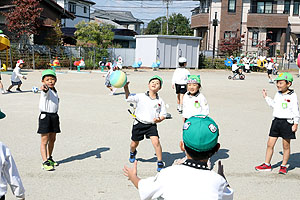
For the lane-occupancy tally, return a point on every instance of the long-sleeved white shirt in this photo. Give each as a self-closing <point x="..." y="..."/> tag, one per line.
<point x="16" y="75"/>
<point x="180" y="76"/>
<point x="285" y="106"/>
<point x="194" y="105"/>
<point x="9" y="174"/>
<point x="49" y="101"/>
<point x="147" y="108"/>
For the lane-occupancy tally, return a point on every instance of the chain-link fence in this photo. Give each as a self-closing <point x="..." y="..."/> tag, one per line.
<point x="40" y="56"/>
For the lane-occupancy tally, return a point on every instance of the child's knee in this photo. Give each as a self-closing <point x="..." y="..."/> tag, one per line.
<point x="155" y="142"/>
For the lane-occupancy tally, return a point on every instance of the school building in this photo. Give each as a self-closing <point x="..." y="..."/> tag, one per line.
<point x="274" y="21"/>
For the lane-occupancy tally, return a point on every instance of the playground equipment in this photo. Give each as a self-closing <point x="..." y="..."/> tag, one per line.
<point x="119" y="62"/>
<point x="79" y="64"/>
<point x="137" y="64"/>
<point x="55" y="64"/>
<point x="228" y="62"/>
<point x="4" y="45"/>
<point x="102" y="64"/>
<point x="155" y="65"/>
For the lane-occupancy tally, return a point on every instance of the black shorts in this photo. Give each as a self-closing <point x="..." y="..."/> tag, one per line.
<point x="140" y="130"/>
<point x="269" y="71"/>
<point x="282" y="128"/>
<point x="180" y="88"/>
<point x="2" y="198"/>
<point x="16" y="83"/>
<point x="48" y="123"/>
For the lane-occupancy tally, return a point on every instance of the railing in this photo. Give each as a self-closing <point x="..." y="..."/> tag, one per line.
<point x="200" y="10"/>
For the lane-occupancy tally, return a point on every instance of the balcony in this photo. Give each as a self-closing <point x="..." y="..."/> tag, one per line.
<point x="267" y="20"/>
<point x="200" y="20"/>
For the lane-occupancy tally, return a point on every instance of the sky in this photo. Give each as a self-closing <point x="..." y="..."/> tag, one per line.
<point x="147" y="10"/>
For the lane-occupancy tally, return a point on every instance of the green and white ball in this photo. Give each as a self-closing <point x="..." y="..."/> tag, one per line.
<point x="118" y="79"/>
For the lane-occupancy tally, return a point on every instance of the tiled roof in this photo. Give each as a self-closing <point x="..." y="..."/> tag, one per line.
<point x="121" y="17"/>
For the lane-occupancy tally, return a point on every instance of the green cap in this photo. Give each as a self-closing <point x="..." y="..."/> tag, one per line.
<point x="2" y="115"/>
<point x="1" y="31"/>
<point x="200" y="133"/>
<point x="48" y="72"/>
<point x="285" y="76"/>
<point x="194" y="79"/>
<point x="156" y="77"/>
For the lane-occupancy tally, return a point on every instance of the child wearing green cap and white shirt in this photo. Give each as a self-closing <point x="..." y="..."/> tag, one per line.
<point x="194" y="102"/>
<point x="192" y="179"/>
<point x="48" y="119"/>
<point x="285" y="123"/>
<point x="150" y="110"/>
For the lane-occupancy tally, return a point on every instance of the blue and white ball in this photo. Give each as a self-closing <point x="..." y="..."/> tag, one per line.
<point x="35" y="89"/>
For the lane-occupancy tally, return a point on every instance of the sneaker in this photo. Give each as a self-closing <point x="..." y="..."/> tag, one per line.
<point x="180" y="111"/>
<point x="3" y="91"/>
<point x="47" y="166"/>
<point x="52" y="162"/>
<point x="160" y="165"/>
<point x="132" y="156"/>
<point x="263" y="167"/>
<point x="9" y="91"/>
<point x="19" y="90"/>
<point x="283" y="170"/>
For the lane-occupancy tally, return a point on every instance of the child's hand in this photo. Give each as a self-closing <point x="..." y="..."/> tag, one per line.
<point x="264" y="92"/>
<point x="24" y="77"/>
<point x="130" y="172"/>
<point x="44" y="88"/>
<point x="157" y="120"/>
<point x="173" y="86"/>
<point x="126" y="85"/>
<point x="295" y="127"/>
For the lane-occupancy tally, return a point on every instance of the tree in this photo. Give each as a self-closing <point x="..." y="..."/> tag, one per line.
<point x="232" y="45"/>
<point x="55" y="35"/>
<point x="92" y="34"/>
<point x="24" y="19"/>
<point x="178" y="25"/>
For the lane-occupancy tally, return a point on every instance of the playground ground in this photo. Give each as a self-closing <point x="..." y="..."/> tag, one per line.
<point x="94" y="144"/>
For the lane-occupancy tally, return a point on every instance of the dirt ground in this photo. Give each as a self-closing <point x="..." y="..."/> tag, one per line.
<point x="96" y="128"/>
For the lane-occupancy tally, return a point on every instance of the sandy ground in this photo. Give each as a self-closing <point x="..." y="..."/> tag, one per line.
<point x="94" y="144"/>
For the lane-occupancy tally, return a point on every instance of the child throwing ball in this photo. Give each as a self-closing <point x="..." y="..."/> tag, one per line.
<point x="285" y="123"/>
<point x="48" y="119"/>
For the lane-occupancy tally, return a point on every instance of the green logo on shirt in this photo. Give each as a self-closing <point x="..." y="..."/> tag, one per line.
<point x="197" y="104"/>
<point x="284" y="105"/>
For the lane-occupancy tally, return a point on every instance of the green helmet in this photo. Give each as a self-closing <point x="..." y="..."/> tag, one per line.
<point x="194" y="79"/>
<point x="48" y="72"/>
<point x="158" y="78"/>
<point x="285" y="76"/>
<point x="200" y="133"/>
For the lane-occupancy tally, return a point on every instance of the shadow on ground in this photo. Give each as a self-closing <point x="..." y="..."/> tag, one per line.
<point x="294" y="161"/>
<point x="221" y="154"/>
<point x="96" y="153"/>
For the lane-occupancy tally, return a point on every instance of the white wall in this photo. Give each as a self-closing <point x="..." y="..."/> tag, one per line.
<point x="146" y="50"/>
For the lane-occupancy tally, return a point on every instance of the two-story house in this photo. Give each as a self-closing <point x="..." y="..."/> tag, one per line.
<point x="80" y="8"/>
<point x="258" y="20"/>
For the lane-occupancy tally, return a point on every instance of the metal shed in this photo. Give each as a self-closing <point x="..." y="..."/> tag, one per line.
<point x="167" y="49"/>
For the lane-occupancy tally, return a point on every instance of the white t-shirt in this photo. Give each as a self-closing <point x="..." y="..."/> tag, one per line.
<point x="16" y="75"/>
<point x="270" y="65"/>
<point x="180" y="182"/>
<point x="49" y="101"/>
<point x="194" y="105"/>
<point x="146" y="108"/>
<point x="180" y="76"/>
<point x="234" y="67"/>
<point x="285" y="106"/>
<point x="9" y="174"/>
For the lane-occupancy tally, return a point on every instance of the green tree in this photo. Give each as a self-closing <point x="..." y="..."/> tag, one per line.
<point x="178" y="25"/>
<point x="55" y="35"/>
<point x="92" y="34"/>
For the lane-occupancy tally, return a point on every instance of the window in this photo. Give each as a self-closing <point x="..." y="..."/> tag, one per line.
<point x="296" y="7"/>
<point x="229" y="34"/>
<point x="268" y="7"/>
<point x="264" y="7"/>
<point x="72" y="7"/>
<point x="254" y="38"/>
<point x="84" y="9"/>
<point x="231" y="5"/>
<point x="287" y="5"/>
<point x="260" y="7"/>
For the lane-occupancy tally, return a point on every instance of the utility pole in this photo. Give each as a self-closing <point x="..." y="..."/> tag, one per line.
<point x="167" y="2"/>
<point x="215" y="24"/>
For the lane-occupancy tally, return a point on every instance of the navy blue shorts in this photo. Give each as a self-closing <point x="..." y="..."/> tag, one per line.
<point x="16" y="83"/>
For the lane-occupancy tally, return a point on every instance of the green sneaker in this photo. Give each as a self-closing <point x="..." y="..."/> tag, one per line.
<point x="47" y="166"/>
<point x="52" y="162"/>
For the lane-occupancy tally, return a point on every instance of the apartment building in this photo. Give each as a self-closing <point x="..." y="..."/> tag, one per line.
<point x="257" y="20"/>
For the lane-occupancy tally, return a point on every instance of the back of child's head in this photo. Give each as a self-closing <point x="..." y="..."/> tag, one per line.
<point x="48" y="72"/>
<point x="200" y="137"/>
<point x="234" y="61"/>
<point x="182" y="61"/>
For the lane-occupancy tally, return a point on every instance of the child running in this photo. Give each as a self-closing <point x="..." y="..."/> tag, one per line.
<point x="285" y="123"/>
<point x="194" y="103"/>
<point x="48" y="119"/>
<point x="192" y="179"/>
<point x="179" y="81"/>
<point x="9" y="173"/>
<point x="270" y="70"/>
<point x="16" y="75"/>
<point x="150" y="110"/>
<point x="107" y="82"/>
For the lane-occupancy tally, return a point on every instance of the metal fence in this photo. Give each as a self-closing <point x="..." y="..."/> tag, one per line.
<point x="40" y="56"/>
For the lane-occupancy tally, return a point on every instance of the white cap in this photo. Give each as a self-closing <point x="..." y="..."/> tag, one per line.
<point x="182" y="60"/>
<point x="19" y="62"/>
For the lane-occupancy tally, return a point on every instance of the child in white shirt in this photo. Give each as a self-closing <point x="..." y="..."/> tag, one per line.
<point x="16" y="75"/>
<point x="179" y="81"/>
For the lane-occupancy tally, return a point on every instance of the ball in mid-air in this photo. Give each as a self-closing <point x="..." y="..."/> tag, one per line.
<point x="118" y="79"/>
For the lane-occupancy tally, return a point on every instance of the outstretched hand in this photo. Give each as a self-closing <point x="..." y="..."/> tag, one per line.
<point x="44" y="88"/>
<point x="131" y="173"/>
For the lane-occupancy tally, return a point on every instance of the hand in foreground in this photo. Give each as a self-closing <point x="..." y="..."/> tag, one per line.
<point x="158" y="120"/>
<point x="295" y="127"/>
<point x="44" y="88"/>
<point x="264" y="92"/>
<point x="131" y="173"/>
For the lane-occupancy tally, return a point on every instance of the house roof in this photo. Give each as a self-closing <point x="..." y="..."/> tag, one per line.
<point x="64" y="12"/>
<point x="87" y="1"/>
<point x="120" y="17"/>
